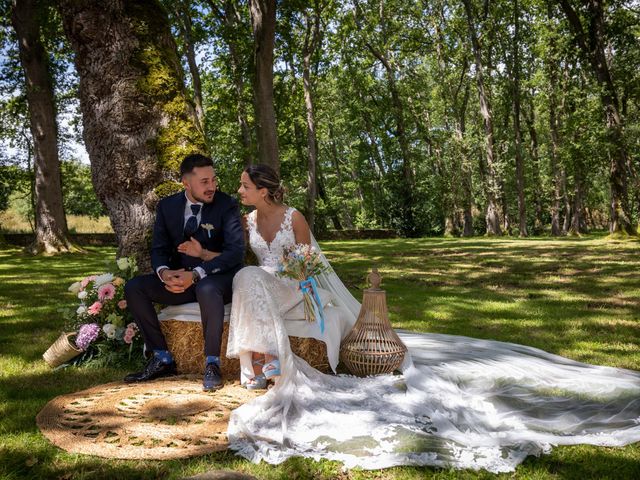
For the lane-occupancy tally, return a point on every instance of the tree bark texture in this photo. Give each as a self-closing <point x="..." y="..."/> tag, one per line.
<point x="537" y="180"/>
<point x="263" y="23"/>
<point x="311" y="40"/>
<point x="522" y="212"/>
<point x="552" y="74"/>
<point x="335" y="160"/>
<point x="51" y="234"/>
<point x="138" y="122"/>
<point x="490" y="181"/>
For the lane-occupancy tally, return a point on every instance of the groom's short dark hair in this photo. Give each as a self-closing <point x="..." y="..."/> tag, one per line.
<point x="192" y="161"/>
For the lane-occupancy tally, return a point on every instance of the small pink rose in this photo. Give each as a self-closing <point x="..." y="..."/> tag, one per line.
<point x="122" y="304"/>
<point x="129" y="335"/>
<point x="106" y="292"/>
<point x="132" y="326"/>
<point x="95" y="308"/>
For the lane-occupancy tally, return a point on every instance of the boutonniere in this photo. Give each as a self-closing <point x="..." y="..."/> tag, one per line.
<point x="208" y="227"/>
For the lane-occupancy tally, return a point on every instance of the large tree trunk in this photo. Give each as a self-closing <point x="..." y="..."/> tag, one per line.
<point x="311" y="40"/>
<point x="466" y="170"/>
<point x="578" y="222"/>
<point x="335" y="160"/>
<point x="490" y="182"/>
<point x="522" y="213"/>
<point x="552" y="73"/>
<point x="263" y="22"/>
<point x="231" y="27"/>
<point x="555" y="168"/>
<point x="591" y="43"/>
<point x="537" y="180"/>
<point x="51" y="234"/>
<point x="138" y="123"/>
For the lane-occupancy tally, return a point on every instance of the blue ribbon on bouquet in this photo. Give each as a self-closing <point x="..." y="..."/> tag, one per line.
<point x="310" y="287"/>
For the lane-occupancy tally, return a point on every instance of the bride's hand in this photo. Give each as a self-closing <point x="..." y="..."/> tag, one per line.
<point x="191" y="247"/>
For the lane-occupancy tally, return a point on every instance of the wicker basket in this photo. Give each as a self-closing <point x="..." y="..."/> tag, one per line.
<point x="372" y="347"/>
<point x="62" y="350"/>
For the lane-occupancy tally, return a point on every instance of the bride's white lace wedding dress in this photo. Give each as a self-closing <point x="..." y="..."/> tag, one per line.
<point x="460" y="402"/>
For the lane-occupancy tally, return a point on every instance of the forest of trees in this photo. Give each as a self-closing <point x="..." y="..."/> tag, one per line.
<point x="430" y="117"/>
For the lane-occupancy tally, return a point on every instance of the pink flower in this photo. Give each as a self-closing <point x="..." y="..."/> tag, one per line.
<point x="85" y="281"/>
<point x="95" y="308"/>
<point x="106" y="292"/>
<point x="130" y="333"/>
<point x="122" y="304"/>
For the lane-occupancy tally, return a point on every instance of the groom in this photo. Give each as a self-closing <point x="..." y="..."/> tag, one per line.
<point x="212" y="218"/>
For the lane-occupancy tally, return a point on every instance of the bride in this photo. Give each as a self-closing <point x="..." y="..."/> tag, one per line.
<point x="460" y="402"/>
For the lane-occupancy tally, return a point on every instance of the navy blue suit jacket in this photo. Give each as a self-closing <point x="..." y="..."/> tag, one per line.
<point x="226" y="235"/>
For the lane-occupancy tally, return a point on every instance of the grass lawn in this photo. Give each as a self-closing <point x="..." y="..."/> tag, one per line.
<point x="579" y="298"/>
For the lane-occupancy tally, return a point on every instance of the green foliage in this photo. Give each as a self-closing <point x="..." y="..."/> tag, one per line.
<point x="361" y="176"/>
<point x="10" y="179"/>
<point x="77" y="190"/>
<point x="168" y="188"/>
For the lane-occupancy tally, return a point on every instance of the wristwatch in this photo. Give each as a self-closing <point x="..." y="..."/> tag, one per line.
<point x="195" y="276"/>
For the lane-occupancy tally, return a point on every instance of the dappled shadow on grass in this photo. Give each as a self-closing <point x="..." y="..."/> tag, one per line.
<point x="569" y="296"/>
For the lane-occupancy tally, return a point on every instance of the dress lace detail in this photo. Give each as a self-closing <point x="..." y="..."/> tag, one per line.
<point x="269" y="253"/>
<point x="260" y="299"/>
<point x="460" y="402"/>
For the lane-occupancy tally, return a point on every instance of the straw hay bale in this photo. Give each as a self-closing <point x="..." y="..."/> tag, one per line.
<point x="186" y="343"/>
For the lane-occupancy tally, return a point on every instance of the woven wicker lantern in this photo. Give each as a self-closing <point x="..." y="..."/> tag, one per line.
<point x="372" y="347"/>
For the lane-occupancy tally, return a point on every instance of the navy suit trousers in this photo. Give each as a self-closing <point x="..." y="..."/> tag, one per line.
<point x="212" y="292"/>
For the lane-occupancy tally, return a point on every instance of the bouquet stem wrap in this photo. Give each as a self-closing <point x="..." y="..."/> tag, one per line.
<point x="312" y="304"/>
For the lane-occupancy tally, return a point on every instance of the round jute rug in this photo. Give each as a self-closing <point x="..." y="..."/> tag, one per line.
<point x="164" y="419"/>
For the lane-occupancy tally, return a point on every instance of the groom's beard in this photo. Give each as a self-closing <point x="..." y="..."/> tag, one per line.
<point x="206" y="199"/>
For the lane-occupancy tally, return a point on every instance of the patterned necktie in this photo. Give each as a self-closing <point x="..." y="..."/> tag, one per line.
<point x="192" y="222"/>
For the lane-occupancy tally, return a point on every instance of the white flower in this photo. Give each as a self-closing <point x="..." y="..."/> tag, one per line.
<point x="75" y="287"/>
<point x="81" y="309"/>
<point x="109" y="330"/>
<point x="102" y="279"/>
<point x="82" y="295"/>
<point x="123" y="263"/>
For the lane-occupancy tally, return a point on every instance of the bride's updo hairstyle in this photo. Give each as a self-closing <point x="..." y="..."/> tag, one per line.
<point x="263" y="176"/>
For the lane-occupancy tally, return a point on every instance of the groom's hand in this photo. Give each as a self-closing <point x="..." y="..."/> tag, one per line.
<point x="179" y="281"/>
<point x="191" y="247"/>
<point x="176" y="281"/>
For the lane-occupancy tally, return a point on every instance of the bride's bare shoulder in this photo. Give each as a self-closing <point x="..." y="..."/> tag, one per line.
<point x="297" y="217"/>
<point x="300" y="227"/>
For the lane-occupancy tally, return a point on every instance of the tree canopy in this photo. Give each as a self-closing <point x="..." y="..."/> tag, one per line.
<point x="426" y="117"/>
